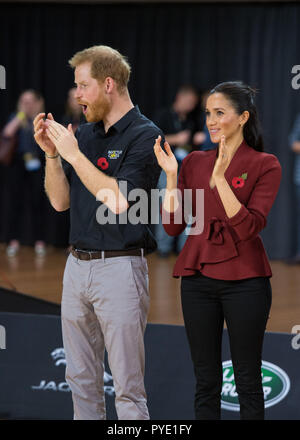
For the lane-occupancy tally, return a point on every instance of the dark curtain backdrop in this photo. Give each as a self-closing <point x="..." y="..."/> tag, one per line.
<point x="168" y="44"/>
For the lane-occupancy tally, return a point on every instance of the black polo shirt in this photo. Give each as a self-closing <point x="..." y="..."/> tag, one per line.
<point x="126" y="153"/>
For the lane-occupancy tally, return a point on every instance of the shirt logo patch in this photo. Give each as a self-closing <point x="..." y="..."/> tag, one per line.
<point x="114" y="154"/>
<point x="102" y="163"/>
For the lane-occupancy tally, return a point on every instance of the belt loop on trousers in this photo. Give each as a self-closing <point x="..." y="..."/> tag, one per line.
<point x="142" y="251"/>
<point x="103" y="256"/>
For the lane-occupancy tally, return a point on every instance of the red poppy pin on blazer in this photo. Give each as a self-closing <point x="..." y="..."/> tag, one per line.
<point x="239" y="182"/>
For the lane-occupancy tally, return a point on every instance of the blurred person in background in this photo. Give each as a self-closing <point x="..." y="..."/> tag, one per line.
<point x="24" y="176"/>
<point x="58" y="223"/>
<point x="201" y="139"/>
<point x="73" y="111"/>
<point x="183" y="128"/>
<point x="294" y="141"/>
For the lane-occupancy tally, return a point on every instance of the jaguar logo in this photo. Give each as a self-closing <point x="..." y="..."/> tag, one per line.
<point x="58" y="355"/>
<point x="59" y="358"/>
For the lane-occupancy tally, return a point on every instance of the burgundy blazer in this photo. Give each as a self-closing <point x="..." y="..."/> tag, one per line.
<point x="228" y="248"/>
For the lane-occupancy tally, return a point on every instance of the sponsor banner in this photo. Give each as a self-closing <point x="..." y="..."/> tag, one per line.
<point x="280" y="379"/>
<point x="275" y="381"/>
<point x="59" y="359"/>
<point x="33" y="363"/>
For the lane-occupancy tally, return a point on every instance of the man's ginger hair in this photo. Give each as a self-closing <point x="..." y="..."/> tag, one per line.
<point x="105" y="62"/>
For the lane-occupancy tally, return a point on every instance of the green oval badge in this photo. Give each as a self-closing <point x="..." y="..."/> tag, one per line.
<point x="275" y="381"/>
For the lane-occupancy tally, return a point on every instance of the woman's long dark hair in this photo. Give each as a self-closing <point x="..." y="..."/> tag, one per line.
<point x="242" y="98"/>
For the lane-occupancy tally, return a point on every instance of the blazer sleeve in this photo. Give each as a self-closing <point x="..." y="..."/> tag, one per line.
<point x="251" y="219"/>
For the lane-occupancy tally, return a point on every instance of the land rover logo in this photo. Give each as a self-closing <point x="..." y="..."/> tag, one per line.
<point x="276" y="385"/>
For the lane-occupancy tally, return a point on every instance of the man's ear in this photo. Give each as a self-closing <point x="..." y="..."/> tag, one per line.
<point x="109" y="84"/>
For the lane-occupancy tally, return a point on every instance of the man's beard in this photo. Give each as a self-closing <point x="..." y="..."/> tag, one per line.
<point x="98" y="110"/>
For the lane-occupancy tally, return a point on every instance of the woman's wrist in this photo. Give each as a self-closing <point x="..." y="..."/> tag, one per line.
<point x="219" y="179"/>
<point x="171" y="181"/>
<point x="171" y="175"/>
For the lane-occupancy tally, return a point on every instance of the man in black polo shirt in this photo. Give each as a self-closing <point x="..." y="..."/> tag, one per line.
<point x="105" y="287"/>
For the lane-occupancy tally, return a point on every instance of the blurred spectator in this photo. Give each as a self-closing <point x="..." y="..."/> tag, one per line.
<point x="201" y="140"/>
<point x="181" y="123"/>
<point x="59" y="222"/>
<point x="294" y="140"/>
<point x="24" y="175"/>
<point x="73" y="111"/>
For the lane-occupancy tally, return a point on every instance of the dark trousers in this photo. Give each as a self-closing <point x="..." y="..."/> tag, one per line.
<point x="245" y="306"/>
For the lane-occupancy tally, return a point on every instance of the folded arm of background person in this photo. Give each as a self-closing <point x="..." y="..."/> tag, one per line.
<point x="13" y="126"/>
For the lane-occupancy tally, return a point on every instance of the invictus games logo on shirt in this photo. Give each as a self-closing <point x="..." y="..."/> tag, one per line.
<point x="276" y="385"/>
<point x="114" y="154"/>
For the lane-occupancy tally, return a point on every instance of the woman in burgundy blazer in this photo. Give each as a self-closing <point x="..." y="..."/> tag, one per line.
<point x="224" y="267"/>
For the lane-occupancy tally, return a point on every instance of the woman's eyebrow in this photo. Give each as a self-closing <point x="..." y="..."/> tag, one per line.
<point x="216" y="108"/>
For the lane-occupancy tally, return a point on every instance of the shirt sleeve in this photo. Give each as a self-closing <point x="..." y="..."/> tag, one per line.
<point x="251" y="219"/>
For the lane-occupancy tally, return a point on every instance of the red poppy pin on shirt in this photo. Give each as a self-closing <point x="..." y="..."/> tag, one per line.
<point x="239" y="182"/>
<point x="102" y="163"/>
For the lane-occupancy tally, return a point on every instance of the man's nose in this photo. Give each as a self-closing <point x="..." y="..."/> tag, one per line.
<point x="77" y="94"/>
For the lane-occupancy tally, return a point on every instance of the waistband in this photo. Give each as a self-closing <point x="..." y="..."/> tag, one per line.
<point x="94" y="255"/>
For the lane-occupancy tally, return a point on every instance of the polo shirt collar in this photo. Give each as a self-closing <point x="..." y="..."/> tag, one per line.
<point x="121" y="124"/>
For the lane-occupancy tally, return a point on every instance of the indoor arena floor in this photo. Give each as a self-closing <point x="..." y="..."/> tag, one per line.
<point x="41" y="277"/>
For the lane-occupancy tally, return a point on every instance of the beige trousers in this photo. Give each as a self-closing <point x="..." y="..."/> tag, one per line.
<point x="105" y="304"/>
